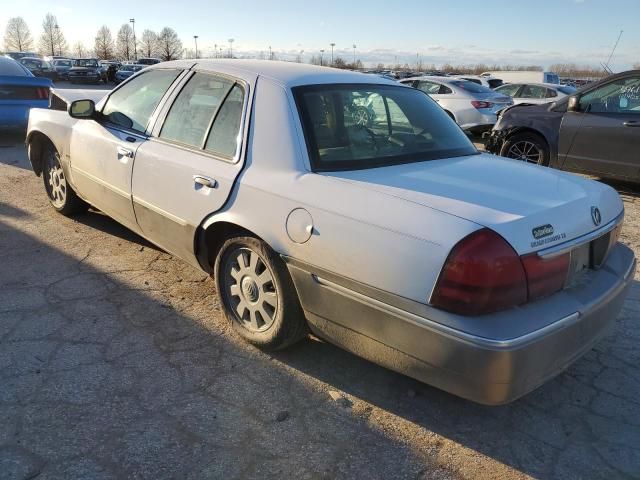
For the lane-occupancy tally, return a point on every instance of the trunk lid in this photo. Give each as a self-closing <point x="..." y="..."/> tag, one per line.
<point x="532" y="207"/>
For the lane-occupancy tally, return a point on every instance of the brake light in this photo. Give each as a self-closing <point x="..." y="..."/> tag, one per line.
<point x="479" y="104"/>
<point x="482" y="274"/>
<point x="42" y="93"/>
<point x="545" y="276"/>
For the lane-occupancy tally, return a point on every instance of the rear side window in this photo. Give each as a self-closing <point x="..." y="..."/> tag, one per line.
<point x="132" y="105"/>
<point x="533" y="91"/>
<point x="191" y="113"/>
<point x="429" y="87"/>
<point x="224" y="138"/>
<point x="470" y="86"/>
<point x="12" y="68"/>
<point x="551" y="93"/>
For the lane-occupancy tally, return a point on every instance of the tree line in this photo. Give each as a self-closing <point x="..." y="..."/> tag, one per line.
<point x="165" y="44"/>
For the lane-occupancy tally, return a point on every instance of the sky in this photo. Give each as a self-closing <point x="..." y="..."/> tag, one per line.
<point x="539" y="32"/>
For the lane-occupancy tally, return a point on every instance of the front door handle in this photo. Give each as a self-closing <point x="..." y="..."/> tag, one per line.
<point x="631" y="123"/>
<point x="125" y="152"/>
<point x="205" y="181"/>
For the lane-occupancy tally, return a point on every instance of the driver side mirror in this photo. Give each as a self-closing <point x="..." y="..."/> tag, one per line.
<point x="82" y="109"/>
<point x="574" y="103"/>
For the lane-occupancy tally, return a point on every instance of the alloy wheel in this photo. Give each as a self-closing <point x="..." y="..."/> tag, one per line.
<point x="250" y="289"/>
<point x="56" y="182"/>
<point x="526" y="151"/>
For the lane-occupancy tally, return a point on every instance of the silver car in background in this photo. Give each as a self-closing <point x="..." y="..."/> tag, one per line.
<point x="472" y="106"/>
<point x="535" y="93"/>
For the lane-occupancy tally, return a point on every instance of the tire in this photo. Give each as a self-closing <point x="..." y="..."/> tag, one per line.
<point x="257" y="294"/>
<point x="527" y="146"/>
<point x="61" y="196"/>
<point x="362" y="117"/>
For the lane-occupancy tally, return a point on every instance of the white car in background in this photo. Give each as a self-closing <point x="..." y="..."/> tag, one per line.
<point x="535" y="93"/>
<point x="472" y="106"/>
<point x="489" y="82"/>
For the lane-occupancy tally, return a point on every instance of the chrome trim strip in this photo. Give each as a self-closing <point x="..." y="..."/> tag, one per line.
<point x="567" y="246"/>
<point x="451" y="332"/>
<point x="159" y="211"/>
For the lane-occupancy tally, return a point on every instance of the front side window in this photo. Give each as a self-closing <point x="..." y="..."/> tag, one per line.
<point x="533" y="91"/>
<point x="509" y="90"/>
<point x="191" y="113"/>
<point x="132" y="105"/>
<point x="620" y="96"/>
<point x="403" y="126"/>
<point x="431" y="88"/>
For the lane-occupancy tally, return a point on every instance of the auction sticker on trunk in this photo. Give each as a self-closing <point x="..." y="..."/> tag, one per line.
<point x="544" y="234"/>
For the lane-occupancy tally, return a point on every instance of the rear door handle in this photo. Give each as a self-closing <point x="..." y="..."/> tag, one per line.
<point x="631" y="123"/>
<point x="205" y="181"/>
<point x="125" y="152"/>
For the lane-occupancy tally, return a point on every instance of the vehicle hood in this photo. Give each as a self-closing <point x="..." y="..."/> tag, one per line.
<point x="509" y="196"/>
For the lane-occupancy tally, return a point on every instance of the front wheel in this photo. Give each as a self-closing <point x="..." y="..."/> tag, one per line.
<point x="528" y="147"/>
<point x="258" y="295"/>
<point x="61" y="195"/>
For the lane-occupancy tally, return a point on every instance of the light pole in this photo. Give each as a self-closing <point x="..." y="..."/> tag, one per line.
<point x="332" y="45"/>
<point x="354" y="55"/>
<point x="215" y="50"/>
<point x="321" y="53"/>
<point x="57" y="40"/>
<point x="270" y="53"/>
<point x="195" y="39"/>
<point x="135" y="43"/>
<point x="231" y="48"/>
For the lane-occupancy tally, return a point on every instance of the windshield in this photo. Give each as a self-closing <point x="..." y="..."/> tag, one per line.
<point x="86" y="62"/>
<point x="62" y="63"/>
<point x="350" y="127"/>
<point x="470" y="86"/>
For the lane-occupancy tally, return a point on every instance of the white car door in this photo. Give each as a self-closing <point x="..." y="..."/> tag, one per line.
<point x="102" y="152"/>
<point x="535" y="94"/>
<point x="187" y="169"/>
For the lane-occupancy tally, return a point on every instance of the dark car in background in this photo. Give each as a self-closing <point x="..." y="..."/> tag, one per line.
<point x="594" y="131"/>
<point x="39" y="67"/>
<point x="87" y="70"/>
<point x="19" y="55"/>
<point x="19" y="92"/>
<point x="148" y="61"/>
<point x="125" y="71"/>
<point x="62" y="67"/>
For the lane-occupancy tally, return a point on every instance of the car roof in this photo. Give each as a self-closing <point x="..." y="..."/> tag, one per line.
<point x="436" y="78"/>
<point x="289" y="74"/>
<point x="8" y="66"/>
<point x="535" y="84"/>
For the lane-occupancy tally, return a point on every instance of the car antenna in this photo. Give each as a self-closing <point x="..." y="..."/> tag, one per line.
<point x="606" y="66"/>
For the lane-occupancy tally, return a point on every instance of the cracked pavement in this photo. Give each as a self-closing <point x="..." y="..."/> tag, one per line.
<point x="116" y="362"/>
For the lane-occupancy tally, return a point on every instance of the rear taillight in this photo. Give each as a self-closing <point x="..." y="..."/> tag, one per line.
<point x="482" y="274"/>
<point x="478" y="104"/>
<point x="545" y="276"/>
<point x="42" y="93"/>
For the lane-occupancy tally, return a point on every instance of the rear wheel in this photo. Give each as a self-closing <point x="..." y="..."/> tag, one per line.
<point x="61" y="195"/>
<point x="528" y="147"/>
<point x="258" y="295"/>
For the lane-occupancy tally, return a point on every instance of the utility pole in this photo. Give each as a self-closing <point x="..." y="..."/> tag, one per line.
<point x="58" y="40"/>
<point x="231" y="48"/>
<point x="270" y="53"/>
<point x="614" y="49"/>
<point x="321" y="53"/>
<point x="195" y="39"/>
<point x="332" y="45"/>
<point x="354" y="55"/>
<point x="215" y="50"/>
<point x="135" y="43"/>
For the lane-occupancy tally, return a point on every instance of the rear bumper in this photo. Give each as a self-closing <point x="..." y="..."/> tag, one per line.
<point x="487" y="369"/>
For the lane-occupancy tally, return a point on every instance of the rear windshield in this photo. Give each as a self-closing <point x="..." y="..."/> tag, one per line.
<point x="351" y="127"/>
<point x="470" y="86"/>
<point x="495" y="82"/>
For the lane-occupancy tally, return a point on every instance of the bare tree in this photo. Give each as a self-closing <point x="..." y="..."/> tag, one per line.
<point x="124" y="42"/>
<point x="104" y="46"/>
<point x="52" y="40"/>
<point x="17" y="35"/>
<point x="149" y="43"/>
<point x="79" y="50"/>
<point x="169" y="45"/>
